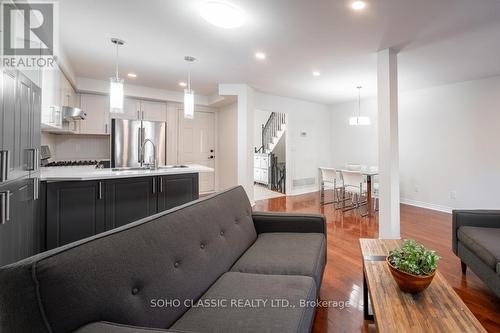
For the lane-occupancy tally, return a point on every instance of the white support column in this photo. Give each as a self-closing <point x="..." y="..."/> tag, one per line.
<point x="388" y="145"/>
<point x="245" y="125"/>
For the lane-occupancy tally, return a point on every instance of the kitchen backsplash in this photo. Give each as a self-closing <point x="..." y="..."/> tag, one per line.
<point x="77" y="147"/>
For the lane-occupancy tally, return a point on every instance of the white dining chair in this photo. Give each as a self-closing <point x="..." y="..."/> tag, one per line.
<point x="330" y="178"/>
<point x="355" y="187"/>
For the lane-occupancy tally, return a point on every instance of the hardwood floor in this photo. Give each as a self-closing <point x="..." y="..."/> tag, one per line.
<point x="342" y="280"/>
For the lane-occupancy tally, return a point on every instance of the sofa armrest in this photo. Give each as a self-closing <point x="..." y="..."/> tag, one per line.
<point x="473" y="218"/>
<point x="283" y="222"/>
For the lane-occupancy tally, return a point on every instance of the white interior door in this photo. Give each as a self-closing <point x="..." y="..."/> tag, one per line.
<point x="197" y="145"/>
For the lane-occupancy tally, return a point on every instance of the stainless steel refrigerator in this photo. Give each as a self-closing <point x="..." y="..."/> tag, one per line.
<point x="129" y="136"/>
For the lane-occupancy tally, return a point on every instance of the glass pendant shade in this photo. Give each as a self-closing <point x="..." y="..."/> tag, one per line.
<point x="188" y="104"/>
<point x="116" y="95"/>
<point x="359" y="121"/>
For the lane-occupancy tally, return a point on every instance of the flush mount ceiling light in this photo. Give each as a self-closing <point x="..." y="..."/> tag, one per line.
<point x="132" y="75"/>
<point x="222" y="14"/>
<point x="358" y="5"/>
<point x="116" y="84"/>
<point x="182" y="84"/>
<point x="358" y="120"/>
<point x="188" y="92"/>
<point x="316" y="73"/>
<point x="260" y="55"/>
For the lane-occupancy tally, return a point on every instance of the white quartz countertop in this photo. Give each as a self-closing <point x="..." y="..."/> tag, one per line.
<point x="80" y="173"/>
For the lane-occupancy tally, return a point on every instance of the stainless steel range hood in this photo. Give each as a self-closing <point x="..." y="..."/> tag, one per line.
<point x="70" y="113"/>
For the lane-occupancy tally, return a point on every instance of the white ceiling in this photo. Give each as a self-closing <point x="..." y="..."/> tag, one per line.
<point x="440" y="41"/>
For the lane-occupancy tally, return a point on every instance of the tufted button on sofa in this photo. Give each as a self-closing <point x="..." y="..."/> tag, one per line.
<point x="149" y="276"/>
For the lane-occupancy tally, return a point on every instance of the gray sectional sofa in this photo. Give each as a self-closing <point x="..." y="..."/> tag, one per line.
<point x="209" y="266"/>
<point x="476" y="240"/>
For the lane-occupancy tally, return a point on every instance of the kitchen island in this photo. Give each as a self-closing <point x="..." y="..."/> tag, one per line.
<point x="79" y="202"/>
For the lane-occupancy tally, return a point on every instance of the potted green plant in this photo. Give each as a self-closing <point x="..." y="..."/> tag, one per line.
<point x="412" y="266"/>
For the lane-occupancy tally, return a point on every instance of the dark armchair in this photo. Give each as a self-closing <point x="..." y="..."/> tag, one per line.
<point x="476" y="241"/>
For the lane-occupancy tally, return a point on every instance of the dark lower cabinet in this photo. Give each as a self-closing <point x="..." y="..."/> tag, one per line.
<point x="74" y="210"/>
<point x="78" y="209"/>
<point x="176" y="190"/>
<point x="129" y="199"/>
<point x="20" y="231"/>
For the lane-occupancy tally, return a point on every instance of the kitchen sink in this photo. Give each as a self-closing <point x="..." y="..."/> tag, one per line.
<point x="131" y="169"/>
<point x="163" y="167"/>
<point x="178" y="166"/>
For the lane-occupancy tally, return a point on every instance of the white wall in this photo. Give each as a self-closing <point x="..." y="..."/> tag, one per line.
<point x="449" y="142"/>
<point x="305" y="153"/>
<point x="226" y="153"/>
<point x="354" y="144"/>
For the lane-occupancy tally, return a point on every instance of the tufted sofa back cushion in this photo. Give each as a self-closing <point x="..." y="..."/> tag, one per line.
<point x="127" y="276"/>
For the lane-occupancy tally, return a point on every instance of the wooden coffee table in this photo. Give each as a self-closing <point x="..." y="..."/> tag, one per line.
<point x="437" y="309"/>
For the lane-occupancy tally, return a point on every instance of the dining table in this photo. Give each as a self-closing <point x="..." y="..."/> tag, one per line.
<point x="369" y="174"/>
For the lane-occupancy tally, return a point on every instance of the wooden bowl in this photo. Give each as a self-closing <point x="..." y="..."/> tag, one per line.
<point x="410" y="283"/>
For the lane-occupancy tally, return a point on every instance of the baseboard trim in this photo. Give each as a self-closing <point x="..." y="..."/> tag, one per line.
<point x="303" y="190"/>
<point x="420" y="204"/>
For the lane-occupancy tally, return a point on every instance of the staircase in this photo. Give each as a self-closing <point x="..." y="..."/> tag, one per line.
<point x="272" y="132"/>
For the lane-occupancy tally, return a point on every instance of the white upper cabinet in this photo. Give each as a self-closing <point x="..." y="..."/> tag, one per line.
<point x="136" y="109"/>
<point x="51" y="107"/>
<point x="97" y="109"/>
<point x="154" y="111"/>
<point x="131" y="109"/>
<point x="67" y="94"/>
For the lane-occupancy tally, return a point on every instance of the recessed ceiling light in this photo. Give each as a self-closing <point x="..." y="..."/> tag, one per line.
<point x="316" y="73"/>
<point x="358" y="5"/>
<point x="260" y="55"/>
<point x="182" y="84"/>
<point x="132" y="75"/>
<point x="222" y="14"/>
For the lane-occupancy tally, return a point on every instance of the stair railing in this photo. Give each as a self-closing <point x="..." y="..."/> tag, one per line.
<point x="270" y="129"/>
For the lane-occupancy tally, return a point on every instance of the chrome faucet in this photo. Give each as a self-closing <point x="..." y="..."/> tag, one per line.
<point x="155" y="161"/>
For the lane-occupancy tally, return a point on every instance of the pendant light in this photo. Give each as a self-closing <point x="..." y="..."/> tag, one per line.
<point x="116" y="84"/>
<point x="188" y="92"/>
<point x="358" y="120"/>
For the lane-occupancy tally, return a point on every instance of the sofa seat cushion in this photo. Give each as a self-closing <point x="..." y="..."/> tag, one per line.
<point x="285" y="254"/>
<point x="107" y="327"/>
<point x="484" y="242"/>
<point x="248" y="303"/>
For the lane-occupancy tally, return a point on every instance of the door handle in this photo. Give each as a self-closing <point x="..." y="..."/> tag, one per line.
<point x="36" y="188"/>
<point x="37" y="159"/>
<point x="139" y="147"/>
<point x="211" y="157"/>
<point x="161" y="184"/>
<point x="154" y="184"/>
<point x="34" y="159"/>
<point x="99" y="190"/>
<point x="4" y="165"/>
<point x="5" y="207"/>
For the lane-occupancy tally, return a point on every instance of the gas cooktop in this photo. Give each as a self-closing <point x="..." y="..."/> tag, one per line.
<point x="72" y="163"/>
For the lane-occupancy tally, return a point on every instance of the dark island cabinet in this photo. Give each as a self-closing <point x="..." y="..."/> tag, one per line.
<point x="19" y="228"/>
<point x="129" y="200"/>
<point x="174" y="191"/>
<point x="74" y="210"/>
